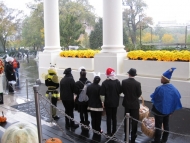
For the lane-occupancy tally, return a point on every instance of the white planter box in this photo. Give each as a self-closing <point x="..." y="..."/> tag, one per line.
<point x="157" y="68"/>
<point x="75" y="63"/>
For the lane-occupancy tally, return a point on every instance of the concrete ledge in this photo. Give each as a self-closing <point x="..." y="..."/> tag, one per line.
<point x="75" y="63"/>
<point x="157" y="68"/>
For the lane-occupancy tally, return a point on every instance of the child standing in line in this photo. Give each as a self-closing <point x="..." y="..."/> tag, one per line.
<point x="51" y="81"/>
<point x="82" y="103"/>
<point x="94" y="104"/>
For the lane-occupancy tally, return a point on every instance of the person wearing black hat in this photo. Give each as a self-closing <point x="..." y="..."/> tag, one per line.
<point x="165" y="99"/>
<point x="132" y="91"/>
<point x="67" y="86"/>
<point x="81" y="100"/>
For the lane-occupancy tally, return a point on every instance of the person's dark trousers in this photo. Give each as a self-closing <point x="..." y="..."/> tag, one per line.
<point x="134" y="113"/>
<point x="54" y="102"/>
<point x="96" y="117"/>
<point x="159" y="120"/>
<point x="10" y="87"/>
<point x="111" y="119"/>
<point x="84" y="114"/>
<point x="17" y="76"/>
<point x="69" y="109"/>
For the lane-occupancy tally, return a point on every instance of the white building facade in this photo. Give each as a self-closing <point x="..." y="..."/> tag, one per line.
<point x="112" y="53"/>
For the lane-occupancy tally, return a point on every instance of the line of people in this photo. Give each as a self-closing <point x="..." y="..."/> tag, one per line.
<point x="85" y="96"/>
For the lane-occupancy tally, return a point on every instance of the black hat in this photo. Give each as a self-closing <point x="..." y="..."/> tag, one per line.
<point x="132" y="72"/>
<point x="67" y="71"/>
<point x="96" y="79"/>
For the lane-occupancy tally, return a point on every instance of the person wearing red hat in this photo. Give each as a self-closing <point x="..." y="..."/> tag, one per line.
<point x="132" y="91"/>
<point x="110" y="94"/>
<point x="165" y="99"/>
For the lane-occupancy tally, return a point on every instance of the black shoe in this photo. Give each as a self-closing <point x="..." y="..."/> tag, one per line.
<point x="12" y="92"/>
<point x="67" y="127"/>
<point x="56" y="117"/>
<point x="129" y="140"/>
<point x="107" y="134"/>
<point x="74" y="126"/>
<point x="162" y="141"/>
<point x="155" y="142"/>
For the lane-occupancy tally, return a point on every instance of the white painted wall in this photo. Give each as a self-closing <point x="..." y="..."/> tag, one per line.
<point x="156" y="68"/>
<point x="148" y="84"/>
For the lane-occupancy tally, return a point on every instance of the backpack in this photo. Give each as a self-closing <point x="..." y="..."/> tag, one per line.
<point x="82" y="95"/>
<point x="16" y="64"/>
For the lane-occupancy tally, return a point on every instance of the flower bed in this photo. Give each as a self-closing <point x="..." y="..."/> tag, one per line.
<point x="79" y="53"/>
<point x="76" y="58"/>
<point x="158" y="55"/>
<point x="154" y="63"/>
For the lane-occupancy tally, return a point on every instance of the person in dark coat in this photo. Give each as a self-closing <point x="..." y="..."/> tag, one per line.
<point x="10" y="74"/>
<point x="52" y="83"/>
<point x="166" y="100"/>
<point x="95" y="104"/>
<point x="82" y="105"/>
<point x="132" y="91"/>
<point x="110" y="94"/>
<point x="67" y="86"/>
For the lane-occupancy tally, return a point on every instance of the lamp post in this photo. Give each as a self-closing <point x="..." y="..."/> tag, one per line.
<point x="185" y="36"/>
<point x="151" y="34"/>
<point x="140" y="16"/>
<point x="140" y="36"/>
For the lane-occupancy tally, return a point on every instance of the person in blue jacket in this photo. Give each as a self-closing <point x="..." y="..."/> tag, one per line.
<point x="165" y="99"/>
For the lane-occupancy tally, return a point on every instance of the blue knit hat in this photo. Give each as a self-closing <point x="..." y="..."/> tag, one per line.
<point x="167" y="75"/>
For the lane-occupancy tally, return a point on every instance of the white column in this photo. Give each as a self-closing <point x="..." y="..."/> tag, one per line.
<point x="112" y="53"/>
<point x="112" y="27"/>
<point x="51" y="26"/>
<point x="52" y="37"/>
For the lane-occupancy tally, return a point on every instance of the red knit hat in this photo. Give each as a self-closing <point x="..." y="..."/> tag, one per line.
<point x="110" y="72"/>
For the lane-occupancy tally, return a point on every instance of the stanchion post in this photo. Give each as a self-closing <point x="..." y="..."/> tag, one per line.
<point x="38" y="117"/>
<point x="27" y="88"/>
<point x="50" y="96"/>
<point x="127" y="127"/>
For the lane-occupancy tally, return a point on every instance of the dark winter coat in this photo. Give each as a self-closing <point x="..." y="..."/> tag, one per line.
<point x="93" y="93"/>
<point x="78" y="88"/>
<point x="9" y="72"/>
<point x="132" y="91"/>
<point x="67" y="86"/>
<point x="111" y="89"/>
